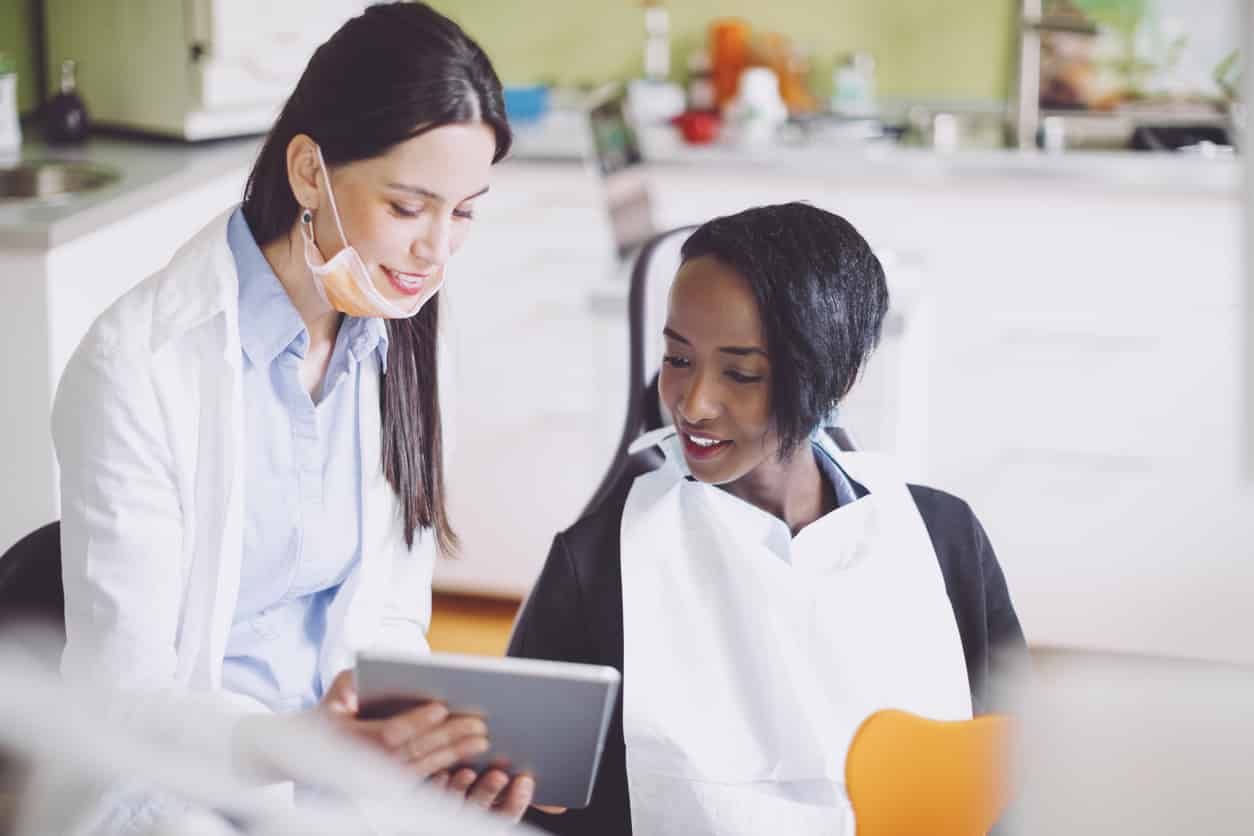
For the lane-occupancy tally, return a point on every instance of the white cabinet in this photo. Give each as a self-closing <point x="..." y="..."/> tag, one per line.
<point x="1086" y="402"/>
<point x="539" y="377"/>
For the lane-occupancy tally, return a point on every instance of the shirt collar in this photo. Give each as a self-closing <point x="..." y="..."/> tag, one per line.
<point x="845" y="488"/>
<point x="365" y="335"/>
<point x="668" y="440"/>
<point x="268" y="321"/>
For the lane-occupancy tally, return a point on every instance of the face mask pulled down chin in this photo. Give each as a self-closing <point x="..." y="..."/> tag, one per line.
<point x="344" y="282"/>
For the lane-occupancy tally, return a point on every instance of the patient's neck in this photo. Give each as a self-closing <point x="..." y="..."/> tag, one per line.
<point x="793" y="490"/>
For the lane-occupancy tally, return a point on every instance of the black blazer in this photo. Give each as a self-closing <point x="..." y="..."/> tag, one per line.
<point x="575" y="613"/>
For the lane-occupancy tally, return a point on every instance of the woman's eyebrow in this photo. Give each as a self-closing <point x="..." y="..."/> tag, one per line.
<point x="668" y="332"/>
<point x="427" y="193"/>
<point x="742" y="350"/>
<point x="738" y="350"/>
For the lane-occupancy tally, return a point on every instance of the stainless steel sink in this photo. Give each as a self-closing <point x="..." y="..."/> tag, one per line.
<point x="50" y="178"/>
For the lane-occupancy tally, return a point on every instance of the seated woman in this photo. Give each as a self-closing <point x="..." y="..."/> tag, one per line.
<point x="762" y="591"/>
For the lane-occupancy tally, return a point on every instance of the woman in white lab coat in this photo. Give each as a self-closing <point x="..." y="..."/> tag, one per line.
<point x="762" y="591"/>
<point x="250" y="441"/>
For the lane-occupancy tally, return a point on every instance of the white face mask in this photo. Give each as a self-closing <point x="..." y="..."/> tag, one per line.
<point x="344" y="282"/>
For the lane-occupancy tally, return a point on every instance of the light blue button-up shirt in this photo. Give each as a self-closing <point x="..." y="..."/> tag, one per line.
<point x="302" y="487"/>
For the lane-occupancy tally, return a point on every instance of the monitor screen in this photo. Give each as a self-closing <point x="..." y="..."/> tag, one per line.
<point x="618" y="157"/>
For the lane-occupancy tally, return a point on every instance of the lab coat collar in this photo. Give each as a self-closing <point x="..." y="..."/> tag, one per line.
<point x="199" y="283"/>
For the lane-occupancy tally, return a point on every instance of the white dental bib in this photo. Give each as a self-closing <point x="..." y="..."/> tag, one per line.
<point x="750" y="657"/>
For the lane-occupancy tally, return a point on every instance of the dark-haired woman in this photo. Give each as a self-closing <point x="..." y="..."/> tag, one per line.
<point x="250" y="441"/>
<point x="762" y="591"/>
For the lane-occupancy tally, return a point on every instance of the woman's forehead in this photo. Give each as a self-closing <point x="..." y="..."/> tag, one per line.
<point x="453" y="161"/>
<point x="712" y="302"/>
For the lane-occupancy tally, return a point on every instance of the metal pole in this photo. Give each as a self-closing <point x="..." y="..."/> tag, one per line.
<point x="1028" y="100"/>
<point x="1246" y="128"/>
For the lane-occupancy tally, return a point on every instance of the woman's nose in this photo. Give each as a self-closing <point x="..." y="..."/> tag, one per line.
<point x="698" y="403"/>
<point x="433" y="244"/>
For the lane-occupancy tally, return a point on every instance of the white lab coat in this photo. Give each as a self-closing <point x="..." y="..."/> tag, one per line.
<point x="148" y="431"/>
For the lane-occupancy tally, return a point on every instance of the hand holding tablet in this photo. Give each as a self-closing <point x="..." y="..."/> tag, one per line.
<point x="546" y="719"/>
<point x="429" y="743"/>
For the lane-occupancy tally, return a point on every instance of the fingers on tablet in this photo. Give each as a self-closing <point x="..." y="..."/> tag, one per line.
<point x="450" y="734"/>
<point x="398" y="730"/>
<point x="489" y="788"/>
<point x="461" y="781"/>
<point x="517" y="796"/>
<point x="445" y="757"/>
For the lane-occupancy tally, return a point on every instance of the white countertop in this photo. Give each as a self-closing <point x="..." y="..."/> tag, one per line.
<point x="151" y="170"/>
<point x="563" y="136"/>
<point x="1086" y="169"/>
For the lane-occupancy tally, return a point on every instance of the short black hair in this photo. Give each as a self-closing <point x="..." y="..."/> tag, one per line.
<point x="822" y="297"/>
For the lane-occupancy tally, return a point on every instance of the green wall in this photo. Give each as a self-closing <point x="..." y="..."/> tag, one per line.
<point x="960" y="49"/>
<point x="17" y="40"/>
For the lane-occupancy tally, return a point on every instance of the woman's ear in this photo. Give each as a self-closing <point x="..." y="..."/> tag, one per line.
<point x="303" y="171"/>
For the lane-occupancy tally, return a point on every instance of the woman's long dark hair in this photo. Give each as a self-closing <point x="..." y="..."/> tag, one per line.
<point x="390" y="74"/>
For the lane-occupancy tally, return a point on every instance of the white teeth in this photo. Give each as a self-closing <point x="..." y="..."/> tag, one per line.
<point x="703" y="442"/>
<point x="406" y="279"/>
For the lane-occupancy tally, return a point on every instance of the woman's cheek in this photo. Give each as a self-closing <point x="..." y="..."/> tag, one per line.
<point x="460" y="231"/>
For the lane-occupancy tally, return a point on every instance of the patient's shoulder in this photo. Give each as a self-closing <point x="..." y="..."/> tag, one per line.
<point x="941" y="507"/>
<point x="594" y="537"/>
<point x="956" y="533"/>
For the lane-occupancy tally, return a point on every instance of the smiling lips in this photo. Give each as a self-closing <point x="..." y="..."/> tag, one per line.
<point x="701" y="447"/>
<point x="409" y="284"/>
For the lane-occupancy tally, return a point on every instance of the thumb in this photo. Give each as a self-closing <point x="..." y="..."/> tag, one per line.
<point x="341" y="697"/>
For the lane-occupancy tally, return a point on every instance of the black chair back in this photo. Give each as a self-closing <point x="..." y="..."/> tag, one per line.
<point x="30" y="579"/>
<point x="651" y="275"/>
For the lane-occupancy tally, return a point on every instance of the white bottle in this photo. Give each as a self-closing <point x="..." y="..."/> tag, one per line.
<point x="853" y="86"/>
<point x="757" y="112"/>
<point x="657" y="41"/>
<point x="10" y="129"/>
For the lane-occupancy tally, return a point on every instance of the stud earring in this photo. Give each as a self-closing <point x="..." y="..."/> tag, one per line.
<point x="306" y="217"/>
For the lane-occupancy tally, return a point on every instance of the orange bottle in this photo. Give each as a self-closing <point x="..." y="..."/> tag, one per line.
<point x="789" y="63"/>
<point x="729" y="54"/>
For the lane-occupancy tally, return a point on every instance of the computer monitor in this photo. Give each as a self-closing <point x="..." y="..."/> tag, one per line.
<point x="620" y="166"/>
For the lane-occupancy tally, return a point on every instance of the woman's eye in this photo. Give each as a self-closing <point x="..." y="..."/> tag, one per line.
<point x="740" y="377"/>
<point x="675" y="361"/>
<point x="404" y="211"/>
<point x="465" y="214"/>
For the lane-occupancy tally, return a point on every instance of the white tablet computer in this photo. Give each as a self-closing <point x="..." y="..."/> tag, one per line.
<point x="546" y="718"/>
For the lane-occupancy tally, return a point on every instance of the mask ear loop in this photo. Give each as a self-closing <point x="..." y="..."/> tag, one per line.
<point x="306" y="231"/>
<point x="335" y="212"/>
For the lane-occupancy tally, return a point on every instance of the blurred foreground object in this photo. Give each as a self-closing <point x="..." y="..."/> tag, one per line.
<point x="1126" y="744"/>
<point x="73" y="755"/>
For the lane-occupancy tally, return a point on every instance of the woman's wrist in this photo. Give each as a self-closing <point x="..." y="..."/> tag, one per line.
<point x="249" y="761"/>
